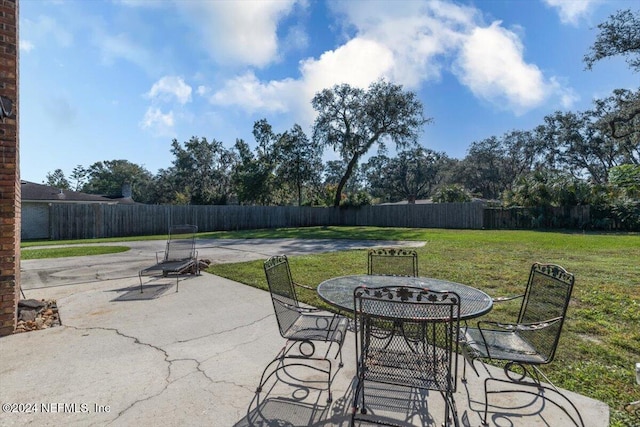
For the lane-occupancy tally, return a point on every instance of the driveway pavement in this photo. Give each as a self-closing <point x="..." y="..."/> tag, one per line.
<point x="64" y="271"/>
<point x="194" y="357"/>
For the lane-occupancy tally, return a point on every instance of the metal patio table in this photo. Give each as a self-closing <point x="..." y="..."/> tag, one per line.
<point x="338" y="291"/>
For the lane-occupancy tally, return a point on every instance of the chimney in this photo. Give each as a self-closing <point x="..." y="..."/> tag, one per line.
<point x="126" y="190"/>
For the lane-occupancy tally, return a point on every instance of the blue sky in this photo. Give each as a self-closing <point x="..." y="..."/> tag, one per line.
<point x="120" y="79"/>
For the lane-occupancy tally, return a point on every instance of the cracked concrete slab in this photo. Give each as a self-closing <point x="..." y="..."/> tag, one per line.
<point x="176" y="357"/>
<point x="195" y="357"/>
<point x="80" y="368"/>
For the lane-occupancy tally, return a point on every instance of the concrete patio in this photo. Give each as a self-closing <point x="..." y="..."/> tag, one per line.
<point x="195" y="357"/>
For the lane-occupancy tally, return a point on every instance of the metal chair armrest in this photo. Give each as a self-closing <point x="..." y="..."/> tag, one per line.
<point x="509" y="298"/>
<point x="309" y="309"/>
<point x="303" y="286"/>
<point x="533" y="326"/>
<point x="299" y="309"/>
<point x="309" y="288"/>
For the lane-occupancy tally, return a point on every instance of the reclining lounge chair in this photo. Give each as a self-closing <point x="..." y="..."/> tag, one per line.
<point x="180" y="255"/>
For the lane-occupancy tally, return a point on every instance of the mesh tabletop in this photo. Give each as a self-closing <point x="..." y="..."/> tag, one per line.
<point x="339" y="291"/>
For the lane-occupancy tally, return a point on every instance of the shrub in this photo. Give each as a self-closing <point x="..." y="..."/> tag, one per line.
<point x="355" y="200"/>
<point x="451" y="194"/>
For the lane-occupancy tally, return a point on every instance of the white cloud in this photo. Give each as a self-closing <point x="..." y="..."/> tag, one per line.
<point x="395" y="52"/>
<point x="46" y="28"/>
<point x="239" y="32"/>
<point x="159" y="123"/>
<point x="170" y="87"/>
<point x="410" y="43"/>
<point x="358" y="63"/>
<point x="571" y="11"/>
<point x="247" y="92"/>
<point x="491" y="64"/>
<point x="425" y="38"/>
<point x="419" y="34"/>
<point x="566" y="95"/>
<point x="113" y="47"/>
<point x="296" y="39"/>
<point x="26" y="46"/>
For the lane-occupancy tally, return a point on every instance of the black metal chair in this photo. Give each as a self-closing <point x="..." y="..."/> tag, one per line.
<point x="301" y="326"/>
<point x="406" y="337"/>
<point x="529" y="342"/>
<point x="179" y="257"/>
<point x="393" y="262"/>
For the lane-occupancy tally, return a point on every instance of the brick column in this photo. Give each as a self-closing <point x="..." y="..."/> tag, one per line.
<point x="9" y="171"/>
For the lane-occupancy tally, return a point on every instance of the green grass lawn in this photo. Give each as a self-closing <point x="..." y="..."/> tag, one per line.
<point x="601" y="337"/>
<point x="67" y="251"/>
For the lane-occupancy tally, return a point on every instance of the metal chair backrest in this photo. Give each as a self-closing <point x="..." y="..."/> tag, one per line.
<point x="181" y="243"/>
<point x="407" y="336"/>
<point x="546" y="298"/>
<point x="283" y="293"/>
<point x="393" y="262"/>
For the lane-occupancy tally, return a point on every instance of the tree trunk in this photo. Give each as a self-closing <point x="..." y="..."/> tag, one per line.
<point x="343" y="181"/>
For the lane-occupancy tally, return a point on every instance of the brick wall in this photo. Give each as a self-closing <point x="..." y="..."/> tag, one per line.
<point x="9" y="171"/>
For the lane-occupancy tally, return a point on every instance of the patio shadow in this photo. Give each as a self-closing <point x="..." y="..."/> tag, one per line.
<point x="150" y="292"/>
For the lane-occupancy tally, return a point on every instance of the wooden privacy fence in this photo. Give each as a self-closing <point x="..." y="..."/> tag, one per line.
<point x="87" y="221"/>
<point x="84" y="221"/>
<point x="527" y="218"/>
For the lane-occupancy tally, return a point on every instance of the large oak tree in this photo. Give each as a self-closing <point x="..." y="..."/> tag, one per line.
<point x="412" y="175"/>
<point x="351" y="120"/>
<point x="619" y="35"/>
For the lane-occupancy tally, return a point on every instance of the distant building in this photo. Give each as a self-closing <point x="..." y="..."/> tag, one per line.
<point x="37" y="199"/>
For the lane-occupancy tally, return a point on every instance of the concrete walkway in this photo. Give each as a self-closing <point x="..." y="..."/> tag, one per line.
<point x="194" y="358"/>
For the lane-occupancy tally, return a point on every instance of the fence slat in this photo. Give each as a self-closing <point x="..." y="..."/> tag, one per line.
<point x="86" y="221"/>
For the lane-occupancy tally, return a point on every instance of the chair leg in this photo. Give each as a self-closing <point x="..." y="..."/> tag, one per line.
<point x="341" y="364"/>
<point x="280" y="359"/>
<point x="486" y="402"/>
<point x="464" y="370"/>
<point x="471" y="361"/>
<point x="330" y="397"/>
<point x="358" y="398"/>
<point x="339" y="344"/>
<point x="579" y="422"/>
<point x="450" y="411"/>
